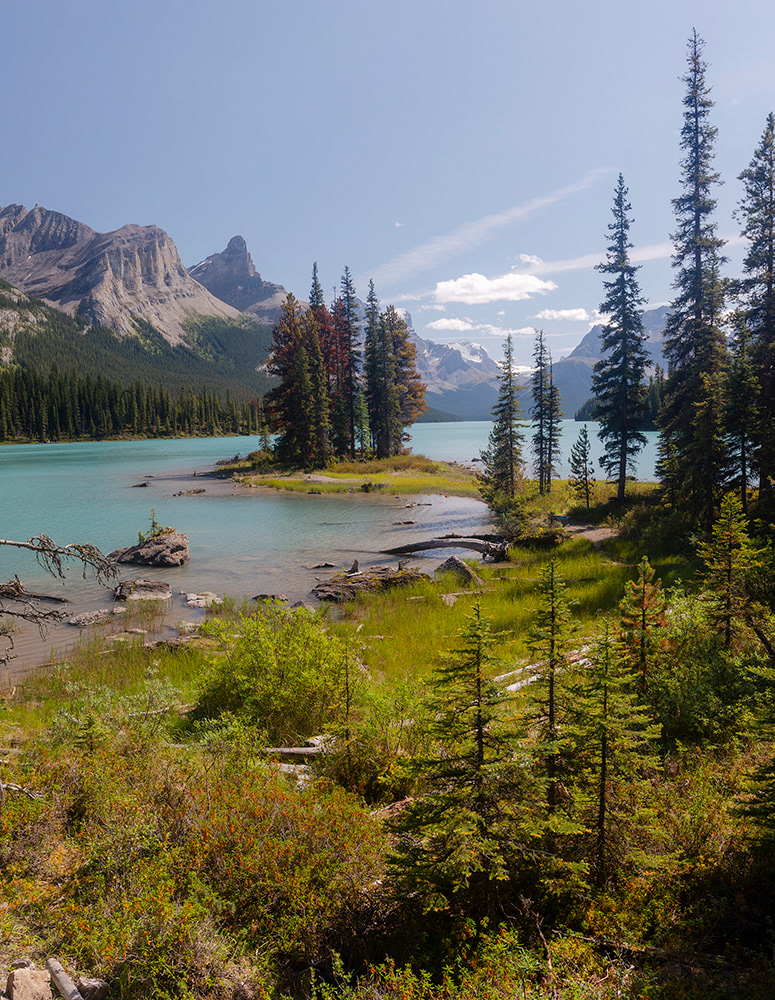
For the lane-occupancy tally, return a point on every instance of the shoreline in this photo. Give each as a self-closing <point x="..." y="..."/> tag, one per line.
<point x="337" y="533"/>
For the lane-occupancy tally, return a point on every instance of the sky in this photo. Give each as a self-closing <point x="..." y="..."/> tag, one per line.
<point x="461" y="155"/>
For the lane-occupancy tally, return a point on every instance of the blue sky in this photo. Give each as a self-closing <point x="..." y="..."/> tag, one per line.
<point x="463" y="155"/>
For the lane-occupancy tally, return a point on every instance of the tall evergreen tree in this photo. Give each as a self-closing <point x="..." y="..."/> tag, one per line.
<point x="299" y="404"/>
<point x="742" y="413"/>
<point x="394" y="391"/>
<point x="617" y="379"/>
<point x="694" y="345"/>
<point x="503" y="457"/>
<point x="410" y="391"/>
<point x="553" y="425"/>
<point x="316" y="297"/>
<point x="351" y="352"/>
<point x="373" y="366"/>
<point x="756" y="290"/>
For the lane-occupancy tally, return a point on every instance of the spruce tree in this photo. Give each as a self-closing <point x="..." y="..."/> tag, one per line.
<point x="742" y="413"/>
<point x="503" y="457"/>
<point x="553" y="424"/>
<point x="350" y="327"/>
<point x="641" y="618"/>
<point x="694" y="345"/>
<point x="549" y="640"/>
<point x="394" y="392"/>
<point x="729" y="559"/>
<point x="409" y="385"/>
<point x="455" y="842"/>
<point x="756" y="290"/>
<point x="298" y="405"/>
<point x="582" y="477"/>
<point x="609" y="737"/>
<point x="539" y="390"/>
<point x="617" y="379"/>
<point x="373" y="368"/>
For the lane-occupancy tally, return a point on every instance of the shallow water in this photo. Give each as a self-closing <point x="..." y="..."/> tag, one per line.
<point x="243" y="541"/>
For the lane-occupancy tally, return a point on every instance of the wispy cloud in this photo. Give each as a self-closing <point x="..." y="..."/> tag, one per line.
<point x="441" y="248"/>
<point x="656" y="251"/>
<point x="400" y="225"/>
<point x="476" y="289"/>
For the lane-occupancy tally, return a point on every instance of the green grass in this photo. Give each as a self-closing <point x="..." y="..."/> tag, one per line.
<point x="401" y="474"/>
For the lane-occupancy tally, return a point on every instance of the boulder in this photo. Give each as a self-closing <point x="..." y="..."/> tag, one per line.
<point x="91" y="988"/>
<point x="142" y="590"/>
<point x="169" y="548"/>
<point x="28" y="984"/>
<point x="461" y="570"/>
<point x="91" y="618"/>
<point x="204" y="600"/>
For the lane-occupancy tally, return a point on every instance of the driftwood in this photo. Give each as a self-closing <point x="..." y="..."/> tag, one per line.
<point x="62" y="981"/>
<point x="495" y="551"/>
<point x="15" y="590"/>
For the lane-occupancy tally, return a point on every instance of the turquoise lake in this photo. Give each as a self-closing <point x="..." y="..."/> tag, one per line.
<point x="243" y="542"/>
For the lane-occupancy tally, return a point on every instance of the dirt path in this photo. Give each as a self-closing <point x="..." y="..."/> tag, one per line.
<point x="595" y="533"/>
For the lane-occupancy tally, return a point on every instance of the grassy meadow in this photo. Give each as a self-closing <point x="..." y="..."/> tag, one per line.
<point x="146" y="836"/>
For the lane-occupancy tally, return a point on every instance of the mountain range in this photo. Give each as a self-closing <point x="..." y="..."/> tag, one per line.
<point x="136" y="311"/>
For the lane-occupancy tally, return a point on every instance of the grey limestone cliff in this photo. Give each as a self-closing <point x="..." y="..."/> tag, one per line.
<point x="110" y="278"/>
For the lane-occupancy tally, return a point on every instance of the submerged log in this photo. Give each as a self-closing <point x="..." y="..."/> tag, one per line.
<point x="15" y="590"/>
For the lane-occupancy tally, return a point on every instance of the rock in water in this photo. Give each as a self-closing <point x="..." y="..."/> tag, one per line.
<point x="142" y="590"/>
<point x="461" y="570"/>
<point x="166" y="549"/>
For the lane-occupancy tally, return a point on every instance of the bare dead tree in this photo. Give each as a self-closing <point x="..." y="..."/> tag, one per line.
<point x="19" y="605"/>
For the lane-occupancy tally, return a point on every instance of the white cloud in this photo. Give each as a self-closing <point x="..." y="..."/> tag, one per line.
<point x="501" y="312"/>
<point x="428" y="255"/>
<point x="436" y="307"/>
<point x="400" y="225"/>
<point x="574" y="315"/>
<point x="528" y="258"/>
<point x="449" y="323"/>
<point x="476" y="289"/>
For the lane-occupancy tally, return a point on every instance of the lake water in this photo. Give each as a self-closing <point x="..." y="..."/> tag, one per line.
<point x="462" y="442"/>
<point x="243" y="541"/>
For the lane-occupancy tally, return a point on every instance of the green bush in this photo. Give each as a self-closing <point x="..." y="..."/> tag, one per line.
<point x="280" y="670"/>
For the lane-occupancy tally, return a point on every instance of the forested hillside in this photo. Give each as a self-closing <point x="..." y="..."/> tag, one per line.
<point x="224" y="355"/>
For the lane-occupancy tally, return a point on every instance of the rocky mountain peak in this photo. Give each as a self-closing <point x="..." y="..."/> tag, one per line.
<point x="232" y="277"/>
<point x="110" y="278"/>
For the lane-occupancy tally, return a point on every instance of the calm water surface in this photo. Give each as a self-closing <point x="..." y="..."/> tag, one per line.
<point x="243" y="541"/>
<point x="462" y="442"/>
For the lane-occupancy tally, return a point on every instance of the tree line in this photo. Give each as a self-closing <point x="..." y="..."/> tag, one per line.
<point x="335" y="398"/>
<point x="715" y="406"/>
<point x="62" y="406"/>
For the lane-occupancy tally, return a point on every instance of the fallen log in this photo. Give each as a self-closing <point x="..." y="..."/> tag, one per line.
<point x="496" y="552"/>
<point x="15" y="590"/>
<point x="62" y="981"/>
